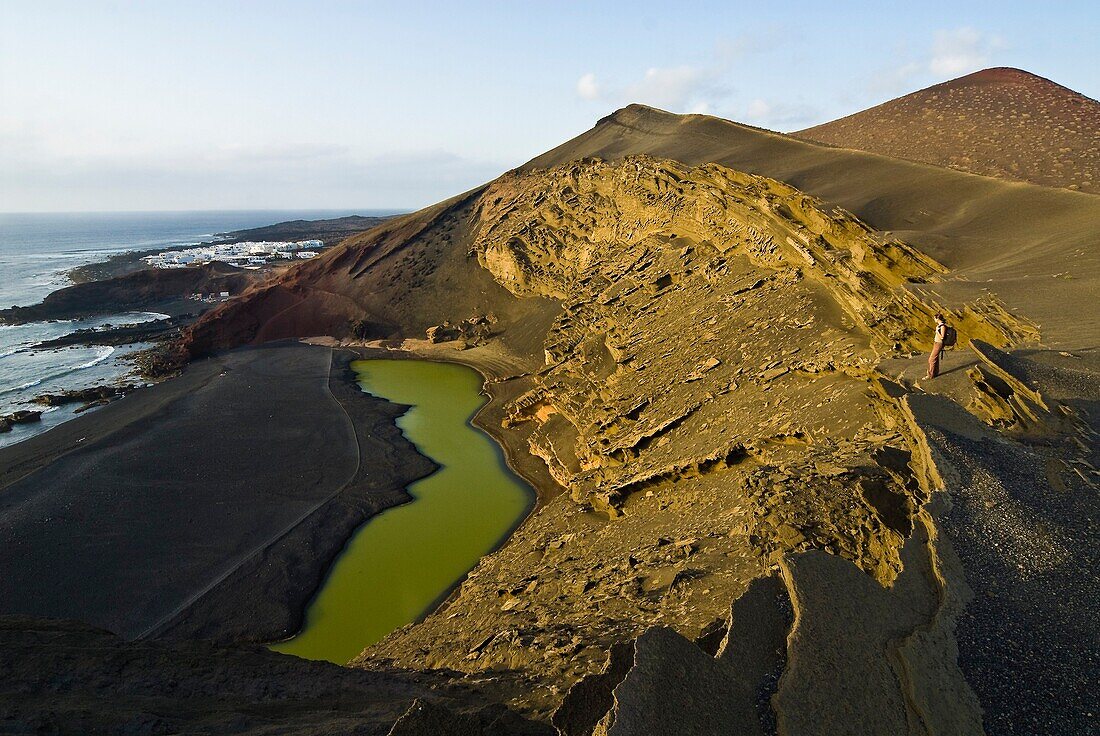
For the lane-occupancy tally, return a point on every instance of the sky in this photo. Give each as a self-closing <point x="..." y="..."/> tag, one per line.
<point x="116" y="106"/>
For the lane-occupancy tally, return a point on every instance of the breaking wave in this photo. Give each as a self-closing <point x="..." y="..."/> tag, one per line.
<point x="102" y="354"/>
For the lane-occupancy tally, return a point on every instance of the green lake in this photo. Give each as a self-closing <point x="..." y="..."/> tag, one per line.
<point x="400" y="562"/>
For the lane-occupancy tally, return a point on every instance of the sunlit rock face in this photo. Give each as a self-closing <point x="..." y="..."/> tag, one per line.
<point x="709" y="390"/>
<point x="696" y="356"/>
<point x="710" y="319"/>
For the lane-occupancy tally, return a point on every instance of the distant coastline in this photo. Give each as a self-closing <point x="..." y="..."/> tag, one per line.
<point x="329" y="231"/>
<point x="78" y="286"/>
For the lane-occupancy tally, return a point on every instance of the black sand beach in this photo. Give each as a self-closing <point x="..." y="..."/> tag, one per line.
<point x="211" y="504"/>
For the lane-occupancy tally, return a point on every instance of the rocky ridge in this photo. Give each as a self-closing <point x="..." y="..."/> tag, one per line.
<point x="720" y="280"/>
<point x="711" y="401"/>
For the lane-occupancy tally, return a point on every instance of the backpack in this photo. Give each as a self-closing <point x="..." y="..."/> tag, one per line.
<point x="950" y="337"/>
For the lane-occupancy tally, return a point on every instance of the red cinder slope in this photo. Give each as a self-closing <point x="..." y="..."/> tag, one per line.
<point x="998" y="122"/>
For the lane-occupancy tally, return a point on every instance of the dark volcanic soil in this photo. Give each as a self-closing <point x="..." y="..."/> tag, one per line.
<point x="212" y="504"/>
<point x="1024" y="524"/>
<point x="62" y="677"/>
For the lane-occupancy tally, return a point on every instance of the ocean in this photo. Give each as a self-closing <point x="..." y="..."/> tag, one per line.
<point x="36" y="251"/>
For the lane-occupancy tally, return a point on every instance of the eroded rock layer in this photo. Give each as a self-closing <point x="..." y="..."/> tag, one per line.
<point x="710" y="402"/>
<point x="688" y="295"/>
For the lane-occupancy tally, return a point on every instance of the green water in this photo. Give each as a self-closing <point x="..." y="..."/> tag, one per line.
<point x="400" y="562"/>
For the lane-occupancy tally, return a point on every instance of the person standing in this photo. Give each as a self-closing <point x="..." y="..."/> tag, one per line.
<point x="937" y="347"/>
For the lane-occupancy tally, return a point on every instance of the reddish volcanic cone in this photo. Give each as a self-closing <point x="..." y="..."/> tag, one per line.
<point x="1000" y="122"/>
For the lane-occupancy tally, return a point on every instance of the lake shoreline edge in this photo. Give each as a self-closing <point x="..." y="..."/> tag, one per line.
<point x="487" y="419"/>
<point x="264" y="599"/>
<point x="320" y="539"/>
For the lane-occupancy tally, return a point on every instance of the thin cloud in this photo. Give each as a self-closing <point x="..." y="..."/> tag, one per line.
<point x="890" y="81"/>
<point x="961" y="51"/>
<point x="951" y="53"/>
<point x="697" y="89"/>
<point x="237" y="176"/>
<point x="778" y="115"/>
<point x="683" y="88"/>
<point x="588" y="88"/>
<point x="678" y="88"/>
<point x="691" y="88"/>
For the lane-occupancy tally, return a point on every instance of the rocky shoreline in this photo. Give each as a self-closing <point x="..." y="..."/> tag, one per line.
<point x="124" y="283"/>
<point x="147" y="289"/>
<point x="91" y="396"/>
<point x="23" y="416"/>
<point x="155" y="331"/>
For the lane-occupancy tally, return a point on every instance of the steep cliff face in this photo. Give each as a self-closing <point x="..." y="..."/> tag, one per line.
<point x="395" y="281"/>
<point x="1031" y="246"/>
<point x="688" y="295"/>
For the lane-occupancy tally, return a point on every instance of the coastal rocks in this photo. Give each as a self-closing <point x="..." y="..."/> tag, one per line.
<point x="159" y="361"/>
<point x="23" y="416"/>
<point x="90" y="395"/>
<point x="155" y="330"/>
<point x="473" y="331"/>
<point x="137" y="290"/>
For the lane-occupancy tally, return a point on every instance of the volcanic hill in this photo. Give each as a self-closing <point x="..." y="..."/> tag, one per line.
<point x="1000" y="122"/>
<point x="415" y="271"/>
<point x="703" y="346"/>
<point x="708" y="368"/>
